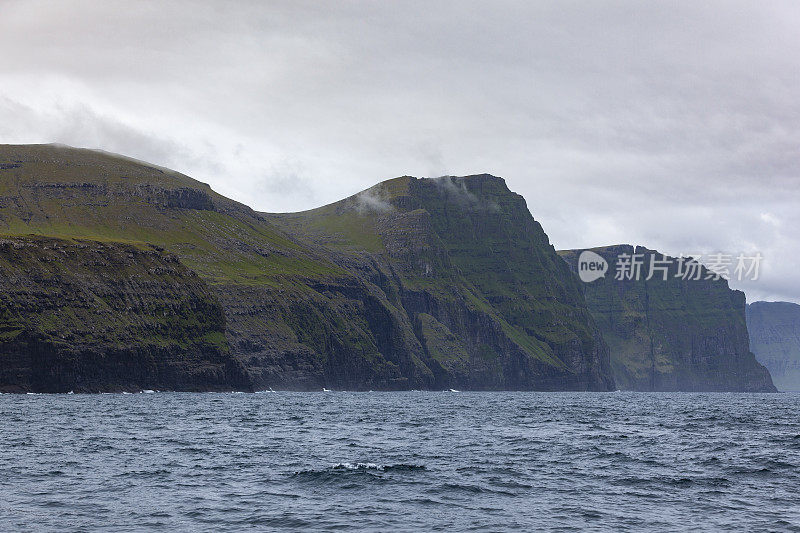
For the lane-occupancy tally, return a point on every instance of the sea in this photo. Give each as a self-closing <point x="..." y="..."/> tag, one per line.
<point x="400" y="461"/>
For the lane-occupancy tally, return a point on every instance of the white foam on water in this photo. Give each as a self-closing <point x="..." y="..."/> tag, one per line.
<point x="359" y="466"/>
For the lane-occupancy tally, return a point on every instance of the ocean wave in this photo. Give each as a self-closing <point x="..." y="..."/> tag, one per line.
<point x="378" y="467"/>
<point x="345" y="471"/>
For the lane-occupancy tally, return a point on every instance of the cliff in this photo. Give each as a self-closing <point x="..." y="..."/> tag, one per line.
<point x="775" y="340"/>
<point x="490" y="303"/>
<point x="672" y="334"/>
<point x="88" y="316"/>
<point x="412" y="284"/>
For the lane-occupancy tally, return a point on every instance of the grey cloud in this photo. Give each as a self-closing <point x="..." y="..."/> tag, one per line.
<point x="669" y="124"/>
<point x="79" y="125"/>
<point x="287" y="178"/>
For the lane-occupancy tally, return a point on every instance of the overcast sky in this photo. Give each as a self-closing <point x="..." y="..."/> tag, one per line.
<point x="675" y="125"/>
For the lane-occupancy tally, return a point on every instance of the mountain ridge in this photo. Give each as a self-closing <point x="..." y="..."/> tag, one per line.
<point x="357" y="300"/>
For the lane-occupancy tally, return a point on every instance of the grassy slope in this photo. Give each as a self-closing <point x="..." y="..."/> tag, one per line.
<point x="65" y="192"/>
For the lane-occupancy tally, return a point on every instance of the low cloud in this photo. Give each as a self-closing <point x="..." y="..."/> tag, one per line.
<point x="456" y="189"/>
<point x="371" y="201"/>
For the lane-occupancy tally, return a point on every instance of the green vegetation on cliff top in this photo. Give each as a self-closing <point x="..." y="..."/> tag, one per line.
<point x="65" y="192"/>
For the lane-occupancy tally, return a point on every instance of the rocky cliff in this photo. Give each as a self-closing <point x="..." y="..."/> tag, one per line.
<point x="673" y="332"/>
<point x="775" y="340"/>
<point x="412" y="284"/>
<point x="89" y="316"/>
<point x="489" y="302"/>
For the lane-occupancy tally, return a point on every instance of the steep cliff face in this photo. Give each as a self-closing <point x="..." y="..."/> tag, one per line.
<point x="775" y="340"/>
<point x="88" y="316"/>
<point x="462" y="260"/>
<point x="672" y="334"/>
<point x="412" y="284"/>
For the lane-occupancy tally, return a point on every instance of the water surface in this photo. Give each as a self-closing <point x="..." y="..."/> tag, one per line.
<point x="399" y="461"/>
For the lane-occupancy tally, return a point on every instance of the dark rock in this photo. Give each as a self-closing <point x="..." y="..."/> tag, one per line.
<point x="94" y="317"/>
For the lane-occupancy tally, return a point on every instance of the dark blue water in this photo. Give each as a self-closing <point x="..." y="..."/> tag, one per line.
<point x="399" y="461"/>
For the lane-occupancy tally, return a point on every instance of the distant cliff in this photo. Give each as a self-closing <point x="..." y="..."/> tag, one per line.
<point x="675" y="334"/>
<point x="775" y="340"/>
<point x="414" y="283"/>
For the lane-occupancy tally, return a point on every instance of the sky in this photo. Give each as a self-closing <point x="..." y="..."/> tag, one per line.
<point x="673" y="125"/>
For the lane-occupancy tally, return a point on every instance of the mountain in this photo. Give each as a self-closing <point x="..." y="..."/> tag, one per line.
<point x="775" y="340"/>
<point x="670" y="333"/>
<point x="415" y="283"/>
<point x="461" y="258"/>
